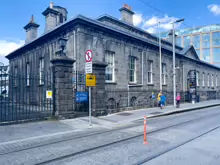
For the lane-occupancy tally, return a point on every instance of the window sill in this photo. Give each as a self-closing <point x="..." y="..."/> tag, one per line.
<point x="164" y="84"/>
<point x="109" y="82"/>
<point x="132" y="83"/>
<point x="40" y="84"/>
<point x="150" y="84"/>
<point x="27" y="85"/>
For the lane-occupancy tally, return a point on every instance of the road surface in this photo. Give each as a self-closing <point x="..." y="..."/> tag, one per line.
<point x="187" y="138"/>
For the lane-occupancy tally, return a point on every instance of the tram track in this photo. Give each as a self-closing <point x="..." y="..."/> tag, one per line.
<point x="55" y="159"/>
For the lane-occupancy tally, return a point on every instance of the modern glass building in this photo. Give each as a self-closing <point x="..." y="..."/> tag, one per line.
<point x="205" y="39"/>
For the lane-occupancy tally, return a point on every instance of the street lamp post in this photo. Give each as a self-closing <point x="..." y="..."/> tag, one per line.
<point x="160" y="57"/>
<point x="174" y="62"/>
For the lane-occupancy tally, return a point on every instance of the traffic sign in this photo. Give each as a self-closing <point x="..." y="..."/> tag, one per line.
<point x="88" y="67"/>
<point x="90" y="80"/>
<point x="88" y="56"/>
<point x="49" y="94"/>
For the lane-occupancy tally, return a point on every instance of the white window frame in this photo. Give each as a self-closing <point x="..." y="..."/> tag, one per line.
<point x="28" y="74"/>
<point x="150" y="72"/>
<point x="41" y="71"/>
<point x="135" y="69"/>
<point x="197" y="78"/>
<point x="212" y="80"/>
<point x="203" y="79"/>
<point x="208" y="84"/>
<point x="164" y="80"/>
<point x="110" y="67"/>
<point x="216" y="81"/>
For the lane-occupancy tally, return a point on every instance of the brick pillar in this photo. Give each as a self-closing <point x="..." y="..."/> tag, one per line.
<point x="63" y="92"/>
<point x="98" y="92"/>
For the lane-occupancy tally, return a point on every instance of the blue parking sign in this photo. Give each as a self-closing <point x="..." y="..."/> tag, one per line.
<point x="81" y="97"/>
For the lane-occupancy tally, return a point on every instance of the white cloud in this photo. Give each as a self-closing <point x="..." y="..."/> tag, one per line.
<point x="137" y="19"/>
<point x="151" y="30"/>
<point x="214" y="8"/>
<point x="9" y="45"/>
<point x="151" y="24"/>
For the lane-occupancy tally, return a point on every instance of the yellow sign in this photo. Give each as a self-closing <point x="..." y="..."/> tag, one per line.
<point x="49" y="94"/>
<point x="90" y="80"/>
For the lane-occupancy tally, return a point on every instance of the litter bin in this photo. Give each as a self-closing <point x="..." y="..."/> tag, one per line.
<point x="197" y="98"/>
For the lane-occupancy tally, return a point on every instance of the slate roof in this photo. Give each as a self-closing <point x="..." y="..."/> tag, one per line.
<point x="100" y="24"/>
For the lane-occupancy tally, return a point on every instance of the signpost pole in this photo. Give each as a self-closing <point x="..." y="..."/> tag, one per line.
<point x="90" y="106"/>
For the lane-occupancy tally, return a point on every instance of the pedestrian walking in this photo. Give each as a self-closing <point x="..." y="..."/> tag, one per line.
<point x="162" y="101"/>
<point x="158" y="98"/>
<point x="178" y="100"/>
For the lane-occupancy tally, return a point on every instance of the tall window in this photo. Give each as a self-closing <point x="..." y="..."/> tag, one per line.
<point x="28" y="74"/>
<point x="203" y="79"/>
<point x="150" y="72"/>
<point x="216" y="81"/>
<point x="132" y="69"/>
<point x="212" y="80"/>
<point x="110" y="69"/>
<point x="197" y="78"/>
<point x="41" y="71"/>
<point x="208" y="81"/>
<point x="164" y="81"/>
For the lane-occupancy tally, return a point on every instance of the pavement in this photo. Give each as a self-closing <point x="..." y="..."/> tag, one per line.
<point x="79" y="126"/>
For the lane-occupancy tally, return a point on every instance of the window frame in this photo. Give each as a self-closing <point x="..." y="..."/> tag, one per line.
<point x="28" y="72"/>
<point x="208" y="84"/>
<point x="212" y="80"/>
<point x="110" y="67"/>
<point x="164" y="80"/>
<point x="150" y="62"/>
<point x="203" y="79"/>
<point x="134" y="70"/>
<point x="41" y="71"/>
<point x="197" y="78"/>
<point x="216" y="80"/>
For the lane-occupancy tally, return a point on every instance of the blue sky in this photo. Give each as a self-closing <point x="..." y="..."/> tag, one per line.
<point x="15" y="14"/>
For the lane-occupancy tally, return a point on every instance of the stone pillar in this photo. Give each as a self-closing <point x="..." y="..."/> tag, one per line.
<point x="98" y="92"/>
<point x="63" y="92"/>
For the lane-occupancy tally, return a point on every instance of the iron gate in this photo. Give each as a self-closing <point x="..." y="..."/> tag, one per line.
<point x="24" y="98"/>
<point x="80" y="94"/>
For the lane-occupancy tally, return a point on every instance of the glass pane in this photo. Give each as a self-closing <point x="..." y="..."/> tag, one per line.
<point x="216" y="38"/>
<point x="206" y="55"/>
<point x="179" y="41"/>
<point x="206" y="40"/>
<point x="198" y="52"/>
<point x="186" y="40"/>
<point x="216" y="54"/>
<point x="131" y="76"/>
<point x="149" y="77"/>
<point x="196" y="41"/>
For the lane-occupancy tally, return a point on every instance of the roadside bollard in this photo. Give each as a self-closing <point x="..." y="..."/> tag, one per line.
<point x="145" y="130"/>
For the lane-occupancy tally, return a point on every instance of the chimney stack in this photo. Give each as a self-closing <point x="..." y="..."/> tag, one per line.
<point x="31" y="30"/>
<point x="54" y="16"/>
<point x="127" y="14"/>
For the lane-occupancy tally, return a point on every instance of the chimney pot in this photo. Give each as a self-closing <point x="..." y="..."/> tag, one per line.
<point x="51" y="4"/>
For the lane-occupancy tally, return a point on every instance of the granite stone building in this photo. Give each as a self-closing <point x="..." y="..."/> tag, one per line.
<point x="127" y="56"/>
